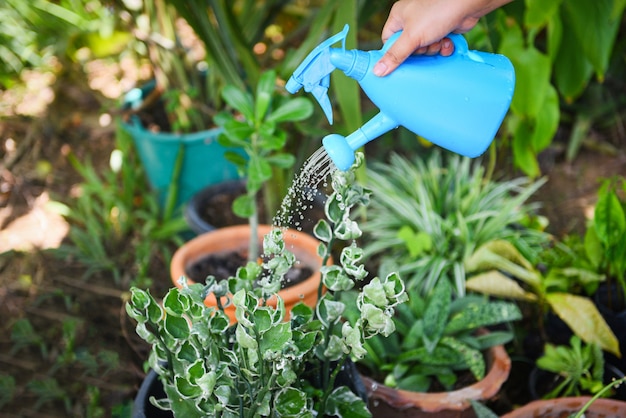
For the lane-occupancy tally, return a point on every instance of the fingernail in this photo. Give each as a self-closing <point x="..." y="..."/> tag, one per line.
<point x="380" y="69"/>
<point x="446" y="43"/>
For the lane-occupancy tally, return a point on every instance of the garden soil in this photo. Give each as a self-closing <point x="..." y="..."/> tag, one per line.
<point x="82" y="358"/>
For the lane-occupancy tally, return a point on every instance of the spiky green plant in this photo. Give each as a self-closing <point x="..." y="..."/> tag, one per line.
<point x="427" y="217"/>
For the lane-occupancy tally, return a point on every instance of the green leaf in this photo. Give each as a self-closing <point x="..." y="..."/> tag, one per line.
<point x="244" y="338"/>
<point x="482" y="315"/>
<point x="335" y="278"/>
<point x="547" y="121"/>
<point x="293" y="110"/>
<point x="481" y="410"/>
<point x="596" y="45"/>
<point x="533" y="70"/>
<point x="275" y="338"/>
<point x="472" y="357"/>
<point x="236" y="134"/>
<point x="264" y="92"/>
<point x="177" y="327"/>
<point x="259" y="171"/>
<point x="175" y="303"/>
<point x="342" y="402"/>
<point x="239" y="100"/>
<point x="609" y="220"/>
<point x="323" y="231"/>
<point x="539" y="12"/>
<point x="572" y="69"/>
<point x="416" y="242"/>
<point x="291" y="402"/>
<point x="593" y="247"/>
<point x="493" y="338"/>
<point x="436" y="314"/>
<point x="243" y="206"/>
<point x="282" y="160"/>
<point x="186" y="389"/>
<point x="524" y="154"/>
<point x="329" y="311"/>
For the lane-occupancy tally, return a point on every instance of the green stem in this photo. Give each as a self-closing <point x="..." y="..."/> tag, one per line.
<point x="331" y="380"/>
<point x="611" y="385"/>
<point x="320" y="288"/>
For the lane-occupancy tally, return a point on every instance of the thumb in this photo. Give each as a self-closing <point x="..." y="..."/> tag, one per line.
<point x="395" y="55"/>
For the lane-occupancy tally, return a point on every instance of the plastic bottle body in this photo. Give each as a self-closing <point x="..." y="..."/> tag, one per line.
<point x="456" y="102"/>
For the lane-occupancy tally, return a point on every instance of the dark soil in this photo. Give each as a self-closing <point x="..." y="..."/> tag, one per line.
<point x="223" y="266"/>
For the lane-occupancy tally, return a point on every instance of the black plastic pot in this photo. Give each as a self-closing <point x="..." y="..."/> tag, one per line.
<point x="611" y="303"/>
<point x="151" y="386"/>
<point x="220" y="196"/>
<point x="210" y="209"/>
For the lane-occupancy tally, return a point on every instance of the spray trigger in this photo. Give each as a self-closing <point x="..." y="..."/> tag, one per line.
<point x="314" y="72"/>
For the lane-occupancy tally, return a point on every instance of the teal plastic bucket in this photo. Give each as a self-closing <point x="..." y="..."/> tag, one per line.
<point x="203" y="161"/>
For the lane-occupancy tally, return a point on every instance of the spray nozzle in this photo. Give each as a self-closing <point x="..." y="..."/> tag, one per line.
<point x="314" y="72"/>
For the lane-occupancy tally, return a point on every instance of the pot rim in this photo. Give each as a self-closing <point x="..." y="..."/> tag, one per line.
<point x="499" y="367"/>
<point x="229" y="238"/>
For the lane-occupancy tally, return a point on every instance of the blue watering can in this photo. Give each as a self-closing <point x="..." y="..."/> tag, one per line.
<point x="456" y="102"/>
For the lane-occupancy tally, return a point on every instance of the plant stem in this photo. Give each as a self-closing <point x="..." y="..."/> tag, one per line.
<point x="611" y="385"/>
<point x="320" y="288"/>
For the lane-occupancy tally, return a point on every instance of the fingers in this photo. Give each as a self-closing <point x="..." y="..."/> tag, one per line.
<point x="401" y="50"/>
<point x="395" y="55"/>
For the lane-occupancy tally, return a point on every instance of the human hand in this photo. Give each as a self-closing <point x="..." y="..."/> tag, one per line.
<point x="424" y="25"/>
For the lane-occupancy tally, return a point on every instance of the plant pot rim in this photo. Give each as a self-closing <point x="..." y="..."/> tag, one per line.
<point x="604" y="407"/>
<point x="227" y="239"/>
<point x="457" y="400"/>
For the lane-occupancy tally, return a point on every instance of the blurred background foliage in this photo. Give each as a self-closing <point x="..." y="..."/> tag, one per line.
<point x="569" y="55"/>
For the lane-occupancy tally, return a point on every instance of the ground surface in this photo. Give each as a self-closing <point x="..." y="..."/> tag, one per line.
<point x="82" y="322"/>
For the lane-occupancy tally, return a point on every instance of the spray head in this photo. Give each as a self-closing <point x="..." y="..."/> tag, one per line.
<point x="314" y="72"/>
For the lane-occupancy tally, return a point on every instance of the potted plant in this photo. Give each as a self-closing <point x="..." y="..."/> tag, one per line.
<point x="604" y="252"/>
<point x="170" y="117"/>
<point x="427" y="217"/>
<point x="194" y="48"/>
<point x="497" y="268"/>
<point x="255" y="125"/>
<point x="441" y="355"/>
<point x="254" y="129"/>
<point x="268" y="364"/>
<point x="574" y="370"/>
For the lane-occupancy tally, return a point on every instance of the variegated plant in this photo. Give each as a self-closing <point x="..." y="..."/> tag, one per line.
<point x="265" y="365"/>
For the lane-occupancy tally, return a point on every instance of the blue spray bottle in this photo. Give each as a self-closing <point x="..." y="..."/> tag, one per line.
<point x="456" y="102"/>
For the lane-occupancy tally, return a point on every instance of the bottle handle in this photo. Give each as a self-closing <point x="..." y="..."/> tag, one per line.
<point x="459" y="41"/>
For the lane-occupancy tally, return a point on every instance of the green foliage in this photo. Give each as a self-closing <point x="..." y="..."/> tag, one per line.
<point x="7" y="389"/>
<point x="265" y="365"/>
<point x="497" y="266"/>
<point x="46" y="390"/>
<point x="24" y="335"/>
<point x="437" y="337"/>
<point x="604" y="245"/>
<point x="113" y="211"/>
<point x="581" y="368"/>
<point x="256" y="129"/>
<point x="555" y="58"/>
<point x="32" y="32"/>
<point x="428" y="217"/>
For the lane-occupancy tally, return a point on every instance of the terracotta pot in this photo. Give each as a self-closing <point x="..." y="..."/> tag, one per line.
<point x="563" y="407"/>
<point x="388" y="402"/>
<point x="236" y="238"/>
